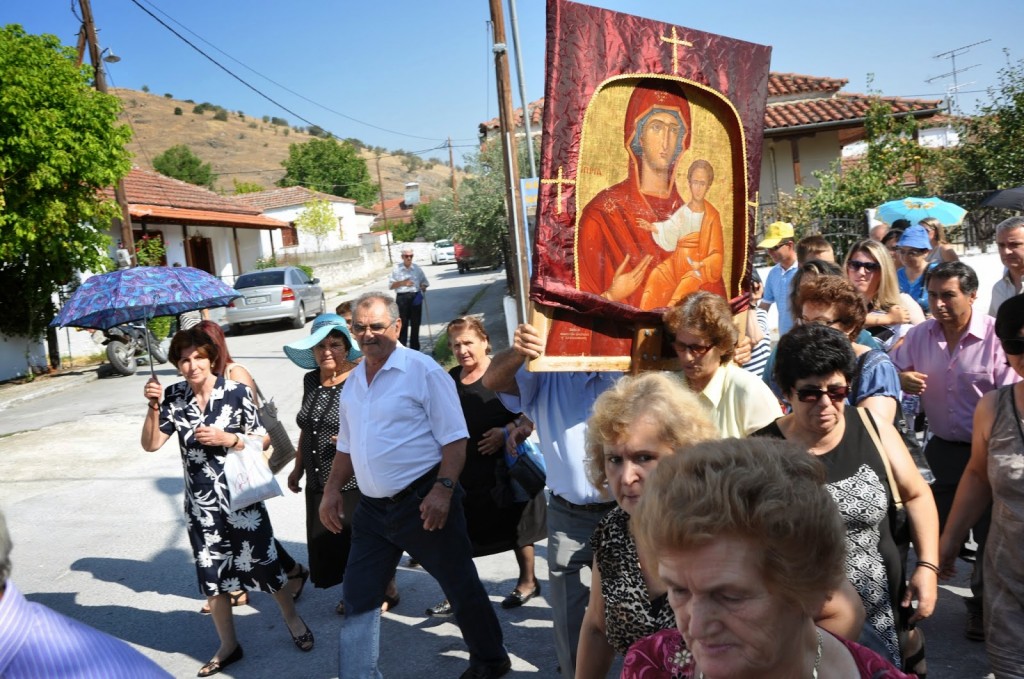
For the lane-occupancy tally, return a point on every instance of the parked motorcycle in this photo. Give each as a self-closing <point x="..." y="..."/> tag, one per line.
<point x="126" y="344"/>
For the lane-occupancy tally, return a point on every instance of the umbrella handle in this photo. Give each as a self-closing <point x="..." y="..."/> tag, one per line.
<point x="149" y="351"/>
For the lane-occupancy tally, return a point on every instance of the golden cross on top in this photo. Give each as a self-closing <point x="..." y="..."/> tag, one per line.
<point x="559" y="180"/>
<point x="676" y="44"/>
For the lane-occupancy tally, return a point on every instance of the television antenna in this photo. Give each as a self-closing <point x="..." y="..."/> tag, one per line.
<point x="954" y="102"/>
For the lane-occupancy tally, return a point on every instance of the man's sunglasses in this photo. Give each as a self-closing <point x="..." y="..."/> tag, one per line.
<point x="835" y="393"/>
<point x="856" y="265"/>
<point x="1013" y="347"/>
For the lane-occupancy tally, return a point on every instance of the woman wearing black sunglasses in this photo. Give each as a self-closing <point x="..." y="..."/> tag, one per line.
<point x="814" y="366"/>
<point x="870" y="269"/>
<point x="993" y="478"/>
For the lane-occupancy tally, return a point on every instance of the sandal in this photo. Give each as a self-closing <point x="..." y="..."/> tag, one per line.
<point x="916" y="663"/>
<point x="217" y="666"/>
<point x="239" y="598"/>
<point x="304" y="642"/>
<point x="304" y="574"/>
<point x="340" y="608"/>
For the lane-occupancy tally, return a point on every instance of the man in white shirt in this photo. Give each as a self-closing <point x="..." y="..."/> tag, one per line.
<point x="1010" y="244"/>
<point x="403" y="435"/>
<point x="409" y="284"/>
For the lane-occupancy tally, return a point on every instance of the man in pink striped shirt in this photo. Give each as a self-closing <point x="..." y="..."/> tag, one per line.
<point x="38" y="642"/>
<point x="951" y="361"/>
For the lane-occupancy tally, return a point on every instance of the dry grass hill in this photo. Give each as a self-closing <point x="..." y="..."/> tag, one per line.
<point x="245" y="148"/>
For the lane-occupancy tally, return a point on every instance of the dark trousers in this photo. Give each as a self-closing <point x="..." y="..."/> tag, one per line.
<point x="383" y="529"/>
<point x="948" y="460"/>
<point x="410" y="314"/>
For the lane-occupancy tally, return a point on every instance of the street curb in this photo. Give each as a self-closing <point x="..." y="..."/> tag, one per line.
<point x="11" y="394"/>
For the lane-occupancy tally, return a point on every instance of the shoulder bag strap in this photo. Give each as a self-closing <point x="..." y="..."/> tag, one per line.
<point x="260" y="399"/>
<point x="869" y="424"/>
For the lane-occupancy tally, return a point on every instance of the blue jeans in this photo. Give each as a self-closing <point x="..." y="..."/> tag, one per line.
<point x="381" y="531"/>
<point x="569" y="552"/>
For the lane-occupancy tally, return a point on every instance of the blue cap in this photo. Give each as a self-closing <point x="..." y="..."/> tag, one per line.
<point x="301" y="352"/>
<point x="915" y="237"/>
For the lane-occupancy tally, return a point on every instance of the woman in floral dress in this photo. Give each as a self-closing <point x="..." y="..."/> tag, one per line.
<point x="232" y="550"/>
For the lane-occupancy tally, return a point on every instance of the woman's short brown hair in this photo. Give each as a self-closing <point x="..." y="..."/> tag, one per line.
<point x="708" y="315"/>
<point x="766" y="491"/>
<point x="193" y="337"/>
<point x="851" y="309"/>
<point x="464" y="323"/>
<point x="678" y="412"/>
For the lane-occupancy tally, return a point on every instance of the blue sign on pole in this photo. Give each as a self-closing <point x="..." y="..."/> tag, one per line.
<point x="528" y="189"/>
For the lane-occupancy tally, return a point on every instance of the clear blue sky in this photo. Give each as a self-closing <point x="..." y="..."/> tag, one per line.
<point x="424" y="70"/>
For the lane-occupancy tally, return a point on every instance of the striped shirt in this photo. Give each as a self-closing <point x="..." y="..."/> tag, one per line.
<point x="36" y="641"/>
<point x="763" y="349"/>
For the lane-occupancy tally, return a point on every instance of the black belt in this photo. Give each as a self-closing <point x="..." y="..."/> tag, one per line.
<point x="592" y="507"/>
<point x="400" y="294"/>
<point x="405" y="492"/>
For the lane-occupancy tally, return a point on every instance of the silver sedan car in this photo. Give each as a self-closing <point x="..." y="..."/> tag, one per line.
<point x="271" y="295"/>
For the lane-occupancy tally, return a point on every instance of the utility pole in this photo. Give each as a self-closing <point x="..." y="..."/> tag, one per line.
<point x="384" y="212"/>
<point x="88" y="30"/>
<point x="451" y="166"/>
<point x="516" y="225"/>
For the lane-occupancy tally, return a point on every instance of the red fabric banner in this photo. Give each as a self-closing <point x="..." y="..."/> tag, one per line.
<point x="650" y="163"/>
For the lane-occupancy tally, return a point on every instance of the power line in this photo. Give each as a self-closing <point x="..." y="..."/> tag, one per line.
<point x="249" y="85"/>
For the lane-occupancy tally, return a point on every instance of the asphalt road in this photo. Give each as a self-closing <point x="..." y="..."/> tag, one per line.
<point x="99" y="536"/>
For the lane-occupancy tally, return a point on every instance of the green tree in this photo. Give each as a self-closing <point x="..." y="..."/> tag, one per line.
<point x="893" y="155"/>
<point x="480" y="220"/>
<point x="179" y="162"/>
<point x="329" y="166"/>
<point x="246" y="187"/>
<point x="60" y="146"/>
<point x="318" y="220"/>
<point x="991" y="151"/>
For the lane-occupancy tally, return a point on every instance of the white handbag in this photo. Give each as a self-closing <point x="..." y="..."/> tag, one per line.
<point x="248" y="475"/>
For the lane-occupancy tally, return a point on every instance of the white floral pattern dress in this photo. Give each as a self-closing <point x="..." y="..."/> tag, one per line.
<point x="232" y="550"/>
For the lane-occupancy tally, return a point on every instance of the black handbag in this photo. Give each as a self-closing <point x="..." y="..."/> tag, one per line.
<point x="282" y="451"/>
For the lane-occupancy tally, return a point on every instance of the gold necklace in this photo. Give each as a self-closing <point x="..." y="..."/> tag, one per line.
<point x="817" y="659"/>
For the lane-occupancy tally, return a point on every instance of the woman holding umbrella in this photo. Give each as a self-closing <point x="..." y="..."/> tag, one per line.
<point x="231" y="550"/>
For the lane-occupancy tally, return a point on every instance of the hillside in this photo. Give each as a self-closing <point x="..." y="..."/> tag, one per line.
<point x="245" y="148"/>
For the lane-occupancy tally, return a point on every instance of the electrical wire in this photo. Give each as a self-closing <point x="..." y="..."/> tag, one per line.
<point x="268" y="79"/>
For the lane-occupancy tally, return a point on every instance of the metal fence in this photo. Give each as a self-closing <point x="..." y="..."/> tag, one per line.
<point x="976" y="233"/>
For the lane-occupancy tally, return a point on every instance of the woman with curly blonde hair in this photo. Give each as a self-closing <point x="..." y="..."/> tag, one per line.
<point x="636" y="423"/>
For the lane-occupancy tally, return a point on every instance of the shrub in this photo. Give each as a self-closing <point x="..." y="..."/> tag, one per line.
<point x="198" y="109"/>
<point x="266" y="119"/>
<point x="177" y="110"/>
<point x="278" y="121"/>
<point x="220" y="115"/>
<point x="168" y="95"/>
<point x="145" y="88"/>
<point x="307" y="269"/>
<point x="266" y="262"/>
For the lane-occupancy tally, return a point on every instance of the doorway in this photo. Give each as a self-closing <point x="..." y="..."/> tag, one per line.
<point x="199" y="251"/>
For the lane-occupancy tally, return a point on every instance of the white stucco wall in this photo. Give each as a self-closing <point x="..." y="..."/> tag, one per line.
<point x="351" y="226"/>
<point x="817" y="153"/>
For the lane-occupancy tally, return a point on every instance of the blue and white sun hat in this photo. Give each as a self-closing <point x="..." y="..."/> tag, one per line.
<point x="301" y="352"/>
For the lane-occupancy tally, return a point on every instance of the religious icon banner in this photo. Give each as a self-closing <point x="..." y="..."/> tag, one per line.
<point x="651" y="155"/>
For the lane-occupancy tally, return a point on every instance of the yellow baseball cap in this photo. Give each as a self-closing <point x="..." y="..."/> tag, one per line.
<point x="778" y="232"/>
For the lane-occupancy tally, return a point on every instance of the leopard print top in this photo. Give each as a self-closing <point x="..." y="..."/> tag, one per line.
<point x="630" y="614"/>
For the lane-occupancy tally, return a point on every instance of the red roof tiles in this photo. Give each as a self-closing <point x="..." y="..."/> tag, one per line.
<point x="286" y="197"/>
<point x="782" y="84"/>
<point x="837" y="109"/>
<point x="156" y="198"/>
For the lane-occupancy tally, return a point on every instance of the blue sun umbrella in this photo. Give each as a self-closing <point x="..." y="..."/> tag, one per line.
<point x="140" y="294"/>
<point x="916" y="209"/>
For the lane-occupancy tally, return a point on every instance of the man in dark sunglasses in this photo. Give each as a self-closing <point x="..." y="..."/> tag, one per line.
<point x="951" y="361"/>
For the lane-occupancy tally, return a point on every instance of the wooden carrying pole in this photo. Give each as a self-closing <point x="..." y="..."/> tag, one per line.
<point x="517" y="221"/>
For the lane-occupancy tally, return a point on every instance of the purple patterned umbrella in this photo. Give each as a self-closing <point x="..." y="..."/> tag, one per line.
<point x="142" y="293"/>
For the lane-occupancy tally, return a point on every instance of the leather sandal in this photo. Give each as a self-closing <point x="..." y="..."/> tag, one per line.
<point x="217" y="666"/>
<point x="239" y="598"/>
<point x="304" y="642"/>
<point x="517" y="598"/>
<point x="391" y="601"/>
<point x="441" y="610"/>
<point x="304" y="575"/>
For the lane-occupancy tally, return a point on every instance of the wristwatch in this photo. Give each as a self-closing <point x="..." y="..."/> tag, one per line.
<point x="447" y="483"/>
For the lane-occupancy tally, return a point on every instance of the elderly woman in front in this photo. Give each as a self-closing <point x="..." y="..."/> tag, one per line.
<point x="749" y="543"/>
<point x="814" y="368"/>
<point x="705" y="338"/>
<point x="635" y="425"/>
<point x="231" y="550"/>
